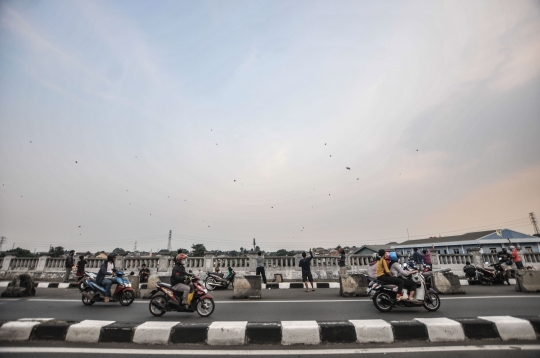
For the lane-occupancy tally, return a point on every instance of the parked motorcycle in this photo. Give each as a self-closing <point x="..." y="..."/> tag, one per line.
<point x="384" y="295"/>
<point x="198" y="301"/>
<point x="96" y="293"/>
<point x="491" y="276"/>
<point x="215" y="281"/>
<point x="82" y="282"/>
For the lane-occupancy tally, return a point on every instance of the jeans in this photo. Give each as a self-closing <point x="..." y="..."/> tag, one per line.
<point x="185" y="289"/>
<point x="68" y="272"/>
<point x="107" y="283"/>
<point x="260" y="271"/>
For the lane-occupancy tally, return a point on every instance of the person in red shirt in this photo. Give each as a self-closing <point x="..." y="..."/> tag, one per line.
<point x="516" y="258"/>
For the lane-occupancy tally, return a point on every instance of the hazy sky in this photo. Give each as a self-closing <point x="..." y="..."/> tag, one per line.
<point x="225" y="121"/>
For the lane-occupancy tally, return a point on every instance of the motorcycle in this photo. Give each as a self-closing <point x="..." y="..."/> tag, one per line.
<point x="384" y="295"/>
<point x="491" y="276"/>
<point x="199" y="300"/>
<point x="82" y="283"/>
<point x="96" y="293"/>
<point x="214" y="280"/>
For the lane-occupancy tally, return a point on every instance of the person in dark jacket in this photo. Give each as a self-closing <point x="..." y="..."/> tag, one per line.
<point x="305" y="264"/>
<point x="342" y="262"/>
<point x="144" y="273"/>
<point x="105" y="274"/>
<point x="178" y="280"/>
<point x="417" y="257"/>
<point x="70" y="265"/>
<point x="81" y="264"/>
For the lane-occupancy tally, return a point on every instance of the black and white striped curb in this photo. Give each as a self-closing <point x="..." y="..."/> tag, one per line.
<point x="282" y="332"/>
<point x="143" y="286"/>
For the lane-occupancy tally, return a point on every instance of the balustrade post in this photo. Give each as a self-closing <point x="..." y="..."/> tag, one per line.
<point x="163" y="263"/>
<point x="208" y="261"/>
<point x="476" y="256"/>
<point x="252" y="259"/>
<point x="41" y="263"/>
<point x="297" y="259"/>
<point x="6" y="263"/>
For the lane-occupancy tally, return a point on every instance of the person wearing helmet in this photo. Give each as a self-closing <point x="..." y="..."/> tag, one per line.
<point x="178" y="280"/>
<point x="384" y="275"/>
<point x="105" y="274"/>
<point x="397" y="271"/>
<point x="372" y="270"/>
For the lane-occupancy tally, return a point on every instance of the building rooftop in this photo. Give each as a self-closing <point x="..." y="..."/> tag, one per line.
<point x="463" y="237"/>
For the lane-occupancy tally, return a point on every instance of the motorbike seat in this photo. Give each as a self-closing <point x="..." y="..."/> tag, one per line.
<point x="165" y="284"/>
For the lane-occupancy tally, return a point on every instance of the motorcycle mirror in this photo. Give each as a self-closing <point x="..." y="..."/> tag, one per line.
<point x="132" y="273"/>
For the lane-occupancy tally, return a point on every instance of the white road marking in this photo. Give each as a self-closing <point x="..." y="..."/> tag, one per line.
<point x="249" y="352"/>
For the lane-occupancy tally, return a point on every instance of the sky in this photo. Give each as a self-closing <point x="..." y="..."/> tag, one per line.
<point x="297" y="123"/>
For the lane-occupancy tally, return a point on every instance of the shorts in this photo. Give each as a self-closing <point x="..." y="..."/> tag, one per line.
<point x="307" y="277"/>
<point x="519" y="265"/>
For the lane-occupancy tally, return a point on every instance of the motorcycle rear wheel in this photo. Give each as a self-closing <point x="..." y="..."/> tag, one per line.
<point x="127" y="298"/>
<point x="155" y="304"/>
<point x="432" y="302"/>
<point x="382" y="300"/>
<point x="207" y="284"/>
<point x="205" y="307"/>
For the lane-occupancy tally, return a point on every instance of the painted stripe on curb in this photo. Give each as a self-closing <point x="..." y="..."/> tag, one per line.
<point x="4" y="284"/>
<point x="300" y="332"/>
<point x="443" y="329"/>
<point x="191" y="333"/>
<point x="227" y="333"/>
<point x="373" y="331"/>
<point x="50" y="331"/>
<point x="153" y="332"/>
<point x="337" y="332"/>
<point x="476" y="328"/>
<point x="409" y="331"/>
<point x="263" y="333"/>
<point x="118" y="332"/>
<point x="17" y="331"/>
<point x="86" y="331"/>
<point x="512" y="328"/>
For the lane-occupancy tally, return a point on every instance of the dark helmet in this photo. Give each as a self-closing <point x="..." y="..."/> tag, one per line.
<point x="111" y="256"/>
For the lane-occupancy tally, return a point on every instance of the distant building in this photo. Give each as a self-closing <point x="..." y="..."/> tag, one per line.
<point x="490" y="241"/>
<point x="370" y="249"/>
<point x="101" y="255"/>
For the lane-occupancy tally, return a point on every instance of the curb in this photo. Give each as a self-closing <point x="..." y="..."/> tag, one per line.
<point x="466" y="282"/>
<point x="219" y="333"/>
<point x="143" y="286"/>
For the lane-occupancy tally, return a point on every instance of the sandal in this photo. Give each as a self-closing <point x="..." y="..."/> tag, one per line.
<point x="306" y="291"/>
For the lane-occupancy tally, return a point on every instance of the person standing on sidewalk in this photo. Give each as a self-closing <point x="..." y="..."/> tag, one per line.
<point x="516" y="258"/>
<point x="81" y="264"/>
<point x="342" y="262"/>
<point x="70" y="265"/>
<point x="305" y="264"/>
<point x="260" y="266"/>
<point x="417" y="257"/>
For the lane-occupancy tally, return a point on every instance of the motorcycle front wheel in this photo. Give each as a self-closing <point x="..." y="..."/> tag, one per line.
<point x="127" y="298"/>
<point x="382" y="302"/>
<point x="86" y="300"/>
<point x="157" y="305"/>
<point x="432" y="302"/>
<point x="205" y="307"/>
<point x="207" y="284"/>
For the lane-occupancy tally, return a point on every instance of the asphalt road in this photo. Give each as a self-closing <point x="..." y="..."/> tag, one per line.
<point x="277" y="305"/>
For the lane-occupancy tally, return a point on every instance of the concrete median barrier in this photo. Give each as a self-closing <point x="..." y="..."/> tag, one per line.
<point x="446" y="283"/>
<point x="528" y="281"/>
<point x="248" y="286"/>
<point x="220" y="333"/>
<point x="353" y="285"/>
<point x="151" y="285"/>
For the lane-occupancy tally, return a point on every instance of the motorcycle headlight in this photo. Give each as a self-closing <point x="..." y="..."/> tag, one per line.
<point x="205" y="290"/>
<point x="128" y="284"/>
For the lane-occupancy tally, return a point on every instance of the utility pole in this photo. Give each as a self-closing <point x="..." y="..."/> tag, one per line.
<point x="13" y="248"/>
<point x="534" y="223"/>
<point x="2" y="240"/>
<point x="254" y="244"/>
<point x="407" y="233"/>
<point x="169" y="247"/>
<point x="135" y="247"/>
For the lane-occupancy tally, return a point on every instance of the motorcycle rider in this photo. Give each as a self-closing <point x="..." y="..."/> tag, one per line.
<point x="397" y="271"/>
<point x="417" y="257"/>
<point x="372" y="270"/>
<point x="384" y="275"/>
<point x="505" y="259"/>
<point x="105" y="275"/>
<point x="178" y="280"/>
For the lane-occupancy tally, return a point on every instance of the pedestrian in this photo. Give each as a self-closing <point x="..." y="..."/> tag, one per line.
<point x="426" y="256"/>
<point x="260" y="267"/>
<point x="342" y="262"/>
<point x="505" y="259"/>
<point x="305" y="264"/>
<point x="81" y="264"/>
<point x="70" y="265"/>
<point x="384" y="275"/>
<point x="516" y="258"/>
<point x="143" y="274"/>
<point x="416" y="257"/>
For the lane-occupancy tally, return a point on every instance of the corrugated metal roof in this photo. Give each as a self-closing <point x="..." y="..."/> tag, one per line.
<point x="464" y="237"/>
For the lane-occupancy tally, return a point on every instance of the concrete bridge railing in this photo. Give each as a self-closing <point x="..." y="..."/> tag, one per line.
<point x="323" y="267"/>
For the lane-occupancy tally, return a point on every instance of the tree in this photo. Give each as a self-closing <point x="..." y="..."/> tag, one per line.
<point x="233" y="253"/>
<point x="119" y="251"/>
<point x="56" y="251"/>
<point x="198" y="250"/>
<point x="20" y="252"/>
<point x="284" y="252"/>
<point x="257" y="248"/>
